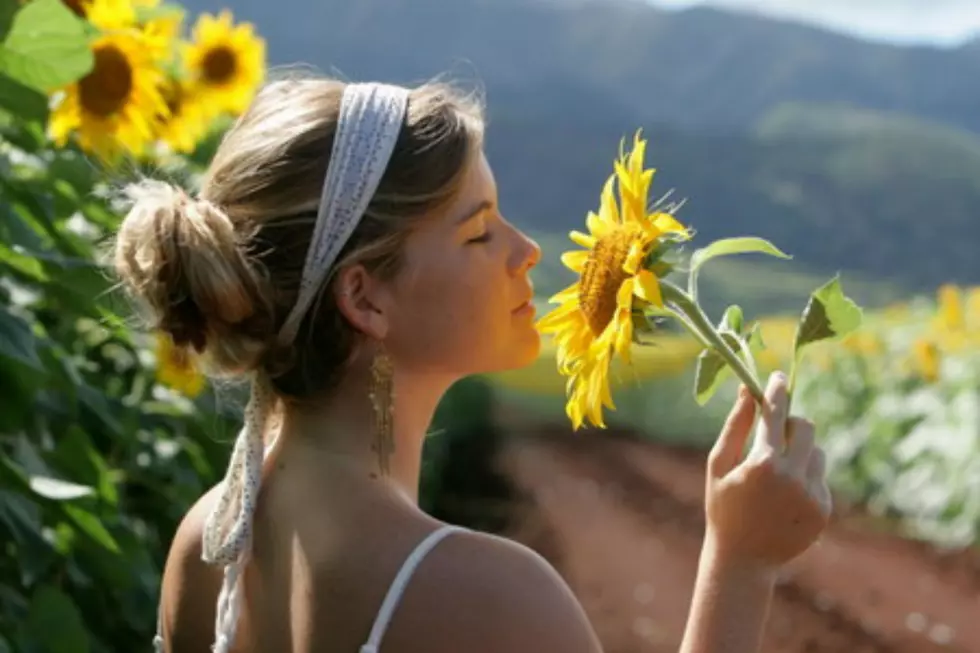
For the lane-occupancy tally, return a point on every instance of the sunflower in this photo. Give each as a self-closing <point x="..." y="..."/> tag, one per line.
<point x="104" y="14"/>
<point x="951" y="314"/>
<point x="225" y="62"/>
<point x="175" y="368"/>
<point x="926" y="360"/>
<point x="619" y="269"/>
<point x="188" y="117"/>
<point x="112" y="109"/>
<point x="162" y="32"/>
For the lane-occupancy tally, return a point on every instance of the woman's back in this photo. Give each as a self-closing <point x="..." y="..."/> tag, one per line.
<point x="320" y="574"/>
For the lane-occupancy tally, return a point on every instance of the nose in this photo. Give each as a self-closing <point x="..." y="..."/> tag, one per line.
<point x="527" y="252"/>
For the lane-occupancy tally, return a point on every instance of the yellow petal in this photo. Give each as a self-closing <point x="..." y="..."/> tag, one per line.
<point x="556" y="319"/>
<point x="647" y="287"/>
<point x="637" y="155"/>
<point x="608" y="209"/>
<point x="565" y="295"/>
<point x="666" y="223"/>
<point x="574" y="411"/>
<point x="624" y="296"/>
<point x="645" y="179"/>
<point x="624" y="335"/>
<point x="634" y="258"/>
<point x="597" y="227"/>
<point x="575" y="261"/>
<point x="582" y="240"/>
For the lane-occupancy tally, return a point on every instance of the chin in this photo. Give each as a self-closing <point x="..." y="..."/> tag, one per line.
<point x="524" y="351"/>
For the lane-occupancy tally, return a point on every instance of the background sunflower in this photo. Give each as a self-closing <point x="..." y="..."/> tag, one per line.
<point x="188" y="118"/>
<point x="225" y="62"/>
<point x="112" y="108"/>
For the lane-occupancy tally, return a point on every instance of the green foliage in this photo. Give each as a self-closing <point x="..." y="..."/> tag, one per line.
<point x="828" y="314"/>
<point x="98" y="462"/>
<point x="728" y="247"/>
<point x="711" y="369"/>
<point x="46" y="46"/>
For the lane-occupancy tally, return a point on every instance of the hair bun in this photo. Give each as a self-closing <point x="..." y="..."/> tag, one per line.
<point x="186" y="261"/>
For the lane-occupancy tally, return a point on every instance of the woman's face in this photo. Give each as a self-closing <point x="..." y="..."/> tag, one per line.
<point x="462" y="302"/>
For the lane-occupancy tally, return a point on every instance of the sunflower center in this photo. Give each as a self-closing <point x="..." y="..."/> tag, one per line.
<point x="76" y="6"/>
<point x="219" y="65"/>
<point x="106" y="89"/>
<point x="602" y="278"/>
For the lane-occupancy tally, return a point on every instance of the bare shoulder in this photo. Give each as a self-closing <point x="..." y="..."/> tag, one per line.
<point x="490" y="594"/>
<point x="190" y="586"/>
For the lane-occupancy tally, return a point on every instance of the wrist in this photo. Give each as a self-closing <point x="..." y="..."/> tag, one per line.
<point x="726" y="562"/>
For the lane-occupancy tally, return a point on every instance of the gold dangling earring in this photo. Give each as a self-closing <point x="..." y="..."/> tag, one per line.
<point x="382" y="396"/>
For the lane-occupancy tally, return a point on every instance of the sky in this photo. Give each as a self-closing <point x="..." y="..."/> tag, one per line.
<point x="936" y="22"/>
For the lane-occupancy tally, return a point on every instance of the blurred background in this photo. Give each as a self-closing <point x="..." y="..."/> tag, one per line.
<point x="847" y="132"/>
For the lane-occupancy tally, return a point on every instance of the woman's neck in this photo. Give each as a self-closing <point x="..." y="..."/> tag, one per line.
<point x="340" y="436"/>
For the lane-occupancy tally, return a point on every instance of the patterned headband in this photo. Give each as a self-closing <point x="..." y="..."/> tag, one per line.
<point x="371" y="116"/>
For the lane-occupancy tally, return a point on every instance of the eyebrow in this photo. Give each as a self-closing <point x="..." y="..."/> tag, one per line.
<point x="485" y="205"/>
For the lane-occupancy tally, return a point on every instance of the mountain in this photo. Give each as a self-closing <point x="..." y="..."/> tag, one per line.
<point x="852" y="156"/>
<point x="698" y="68"/>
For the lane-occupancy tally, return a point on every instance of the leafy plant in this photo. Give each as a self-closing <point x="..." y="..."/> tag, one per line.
<point x="98" y="458"/>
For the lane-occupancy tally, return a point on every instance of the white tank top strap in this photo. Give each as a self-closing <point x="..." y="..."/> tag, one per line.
<point x="401" y="581"/>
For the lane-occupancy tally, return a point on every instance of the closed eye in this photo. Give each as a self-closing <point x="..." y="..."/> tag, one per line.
<point x="483" y="238"/>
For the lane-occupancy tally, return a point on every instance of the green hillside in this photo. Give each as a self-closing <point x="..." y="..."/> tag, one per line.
<point x="898" y="204"/>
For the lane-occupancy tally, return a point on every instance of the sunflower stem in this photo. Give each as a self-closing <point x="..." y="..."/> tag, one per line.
<point x="695" y="317"/>
<point x="695" y="333"/>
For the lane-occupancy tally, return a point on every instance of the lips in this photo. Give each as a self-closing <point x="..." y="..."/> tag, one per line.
<point x="528" y="302"/>
<point x="525" y="308"/>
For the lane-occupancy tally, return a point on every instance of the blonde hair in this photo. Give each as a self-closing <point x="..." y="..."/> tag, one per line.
<point x="220" y="272"/>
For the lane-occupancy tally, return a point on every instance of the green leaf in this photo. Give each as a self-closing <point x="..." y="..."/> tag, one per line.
<point x="728" y="247"/>
<point x="46" y="47"/>
<point x="55" y="623"/>
<point x="21" y="100"/>
<point x="7" y="11"/>
<point x="756" y="343"/>
<point x="711" y="370"/>
<point x="17" y="341"/>
<point x="91" y="526"/>
<point x="828" y="314"/>
<point x="21" y="262"/>
<point x="21" y="516"/>
<point x="58" y="490"/>
<point x="733" y="320"/>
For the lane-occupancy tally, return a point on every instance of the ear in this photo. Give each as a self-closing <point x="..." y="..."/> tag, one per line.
<point x="363" y="300"/>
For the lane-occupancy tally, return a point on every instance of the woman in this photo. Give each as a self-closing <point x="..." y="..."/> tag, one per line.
<point x="348" y="257"/>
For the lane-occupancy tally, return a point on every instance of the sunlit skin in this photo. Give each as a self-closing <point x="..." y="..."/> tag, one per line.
<point x="459" y="306"/>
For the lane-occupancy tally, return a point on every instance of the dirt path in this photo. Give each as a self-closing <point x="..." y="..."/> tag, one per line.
<point x="622" y="520"/>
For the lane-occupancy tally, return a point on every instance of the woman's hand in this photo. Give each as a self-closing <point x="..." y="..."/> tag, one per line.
<point x="766" y="508"/>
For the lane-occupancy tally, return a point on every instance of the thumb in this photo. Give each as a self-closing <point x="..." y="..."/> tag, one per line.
<point x="727" y="451"/>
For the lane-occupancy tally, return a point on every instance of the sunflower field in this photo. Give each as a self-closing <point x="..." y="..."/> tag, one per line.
<point x="105" y="436"/>
<point x="899" y="415"/>
<point x="897" y="404"/>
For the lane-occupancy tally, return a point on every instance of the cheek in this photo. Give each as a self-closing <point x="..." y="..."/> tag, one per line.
<point x="454" y="316"/>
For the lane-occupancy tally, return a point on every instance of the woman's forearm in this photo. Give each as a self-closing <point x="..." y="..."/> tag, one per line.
<point x="730" y="605"/>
